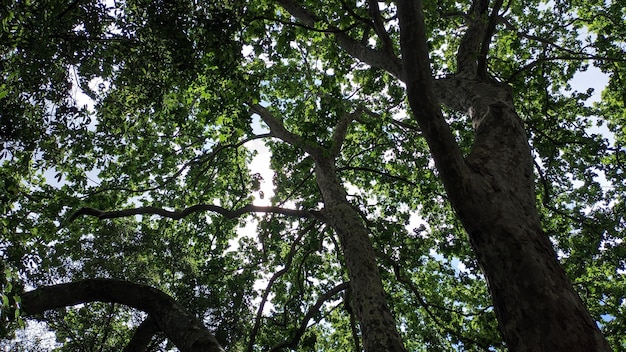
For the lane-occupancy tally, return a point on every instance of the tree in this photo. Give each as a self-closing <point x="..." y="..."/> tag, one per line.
<point x="374" y="112"/>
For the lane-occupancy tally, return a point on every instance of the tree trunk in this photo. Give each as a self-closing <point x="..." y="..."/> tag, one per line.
<point x="181" y="327"/>
<point x="536" y="305"/>
<point x="492" y="190"/>
<point x="378" y="326"/>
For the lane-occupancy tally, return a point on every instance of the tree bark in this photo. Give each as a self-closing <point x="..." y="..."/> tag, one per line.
<point x="144" y="333"/>
<point x="492" y="191"/>
<point x="536" y="305"/>
<point x="378" y="327"/>
<point x="181" y="327"/>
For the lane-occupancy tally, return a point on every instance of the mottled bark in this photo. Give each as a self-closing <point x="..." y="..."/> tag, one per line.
<point x="378" y="326"/>
<point x="181" y="327"/>
<point x="536" y="305"/>
<point x="492" y="191"/>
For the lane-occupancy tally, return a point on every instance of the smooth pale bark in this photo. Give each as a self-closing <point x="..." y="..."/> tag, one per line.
<point x="492" y="191"/>
<point x="181" y="327"/>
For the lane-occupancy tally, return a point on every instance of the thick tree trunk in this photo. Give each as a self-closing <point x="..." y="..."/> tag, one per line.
<point x="378" y="326"/>
<point x="536" y="305"/>
<point x="181" y="327"/>
<point x="492" y="190"/>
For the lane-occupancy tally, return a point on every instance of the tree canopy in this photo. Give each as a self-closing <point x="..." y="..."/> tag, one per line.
<point x="127" y="131"/>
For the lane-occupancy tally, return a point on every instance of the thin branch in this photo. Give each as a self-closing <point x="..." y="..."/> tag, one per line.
<point x="398" y="272"/>
<point x="353" y="323"/>
<point x="331" y="30"/>
<point x="578" y="57"/>
<point x="107" y="327"/>
<point x="69" y="8"/>
<point x="272" y="280"/>
<point x="378" y="172"/>
<point x="314" y="310"/>
<point x="179" y="214"/>
<point x="199" y="160"/>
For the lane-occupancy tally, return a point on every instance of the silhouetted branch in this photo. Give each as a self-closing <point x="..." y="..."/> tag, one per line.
<point x="270" y="283"/>
<point x="179" y="214"/>
<point x="142" y="336"/>
<point x="314" y="310"/>
<point x="181" y="327"/>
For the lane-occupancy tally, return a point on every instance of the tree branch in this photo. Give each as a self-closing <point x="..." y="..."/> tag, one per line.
<point x="279" y="131"/>
<point x="489" y="32"/>
<point x="179" y="214"/>
<point x="422" y="99"/>
<point x="180" y="326"/>
<point x="272" y="280"/>
<point x="377" y="172"/>
<point x="379" y="27"/>
<point x="293" y="342"/>
<point x="199" y="160"/>
<point x="341" y="129"/>
<point x="356" y="49"/>
<point x="470" y="45"/>
<point x="403" y="279"/>
<point x="142" y="336"/>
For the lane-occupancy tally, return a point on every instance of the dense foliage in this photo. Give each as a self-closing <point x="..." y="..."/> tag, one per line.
<point x="146" y="105"/>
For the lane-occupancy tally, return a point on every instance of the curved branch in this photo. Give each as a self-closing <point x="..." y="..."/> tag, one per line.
<point x="179" y="214"/>
<point x="180" y="326"/>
